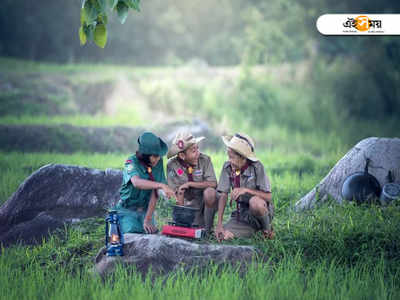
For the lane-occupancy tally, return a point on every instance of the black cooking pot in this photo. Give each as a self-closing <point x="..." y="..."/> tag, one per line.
<point x="361" y="187"/>
<point x="183" y="215"/>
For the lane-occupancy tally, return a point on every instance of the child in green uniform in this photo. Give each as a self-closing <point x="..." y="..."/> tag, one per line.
<point x="143" y="177"/>
<point x="243" y="176"/>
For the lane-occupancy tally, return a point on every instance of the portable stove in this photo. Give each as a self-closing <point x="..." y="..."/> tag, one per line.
<point x="182" y="224"/>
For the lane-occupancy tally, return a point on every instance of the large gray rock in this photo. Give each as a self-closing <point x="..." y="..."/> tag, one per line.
<point x="163" y="255"/>
<point x="384" y="154"/>
<point x="54" y="195"/>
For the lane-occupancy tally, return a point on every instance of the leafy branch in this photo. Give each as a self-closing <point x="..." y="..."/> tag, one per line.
<point x="94" y="18"/>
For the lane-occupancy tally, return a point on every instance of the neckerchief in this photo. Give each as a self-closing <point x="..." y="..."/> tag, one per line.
<point x="236" y="184"/>
<point x="188" y="168"/>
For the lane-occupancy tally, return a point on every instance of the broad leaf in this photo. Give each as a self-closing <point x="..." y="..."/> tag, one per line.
<point x="103" y="19"/>
<point x="102" y="5"/>
<point x="83" y="16"/>
<point x="82" y="36"/>
<point x="90" y="11"/>
<point x="134" y="4"/>
<point x="89" y="30"/>
<point x="112" y="3"/>
<point x="100" y="35"/>
<point x="122" y="10"/>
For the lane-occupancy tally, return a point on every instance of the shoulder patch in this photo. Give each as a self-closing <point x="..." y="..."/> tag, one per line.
<point x="129" y="167"/>
<point x="179" y="172"/>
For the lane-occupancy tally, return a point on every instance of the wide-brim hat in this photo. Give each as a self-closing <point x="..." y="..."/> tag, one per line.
<point x="151" y="144"/>
<point x="242" y="144"/>
<point x="181" y="142"/>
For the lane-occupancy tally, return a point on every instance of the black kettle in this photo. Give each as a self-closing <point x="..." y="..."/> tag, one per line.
<point x="361" y="187"/>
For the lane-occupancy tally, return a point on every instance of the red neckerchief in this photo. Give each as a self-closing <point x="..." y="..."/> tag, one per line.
<point x="236" y="184"/>
<point x="236" y="175"/>
<point x="188" y="168"/>
<point x="150" y="173"/>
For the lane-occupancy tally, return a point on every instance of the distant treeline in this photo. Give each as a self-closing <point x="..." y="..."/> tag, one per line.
<point x="173" y="32"/>
<point x="164" y="32"/>
<point x="349" y="84"/>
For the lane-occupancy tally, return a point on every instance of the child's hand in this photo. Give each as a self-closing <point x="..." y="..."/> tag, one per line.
<point x="168" y="191"/>
<point x="149" y="227"/>
<point x="237" y="192"/>
<point x="219" y="233"/>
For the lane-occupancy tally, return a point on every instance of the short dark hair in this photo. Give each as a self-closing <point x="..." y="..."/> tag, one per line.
<point x="144" y="158"/>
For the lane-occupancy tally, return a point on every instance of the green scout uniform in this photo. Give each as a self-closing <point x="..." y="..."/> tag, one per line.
<point x="178" y="175"/>
<point x="254" y="178"/>
<point x="133" y="203"/>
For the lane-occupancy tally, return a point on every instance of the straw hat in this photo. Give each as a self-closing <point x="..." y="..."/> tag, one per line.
<point x="242" y="144"/>
<point x="181" y="142"/>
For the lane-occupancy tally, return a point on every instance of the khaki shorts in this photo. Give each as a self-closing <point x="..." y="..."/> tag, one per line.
<point x="196" y="201"/>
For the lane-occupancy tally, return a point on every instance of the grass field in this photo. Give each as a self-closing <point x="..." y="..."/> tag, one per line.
<point x="332" y="252"/>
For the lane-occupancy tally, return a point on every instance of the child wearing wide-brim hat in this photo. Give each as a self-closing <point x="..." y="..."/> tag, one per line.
<point x="244" y="177"/>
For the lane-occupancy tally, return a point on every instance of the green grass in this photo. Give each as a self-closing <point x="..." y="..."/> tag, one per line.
<point x="130" y="120"/>
<point x="333" y="252"/>
<point x="23" y="66"/>
<point x="59" y="269"/>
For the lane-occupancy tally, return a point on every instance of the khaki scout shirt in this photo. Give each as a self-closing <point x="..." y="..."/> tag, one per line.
<point x="254" y="177"/>
<point x="177" y="174"/>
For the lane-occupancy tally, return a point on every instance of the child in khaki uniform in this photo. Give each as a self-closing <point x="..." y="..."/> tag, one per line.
<point x="244" y="174"/>
<point x="191" y="174"/>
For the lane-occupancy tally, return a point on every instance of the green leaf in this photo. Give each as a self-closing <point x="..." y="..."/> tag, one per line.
<point x="88" y="30"/>
<point x="102" y="5"/>
<point x="112" y="3"/>
<point x="83" y="16"/>
<point x="102" y="19"/>
<point x="122" y="10"/>
<point x="90" y="11"/>
<point x="82" y="36"/>
<point x="100" y="35"/>
<point x="135" y="5"/>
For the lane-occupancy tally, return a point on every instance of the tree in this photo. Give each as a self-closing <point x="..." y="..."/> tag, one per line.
<point x="94" y="18"/>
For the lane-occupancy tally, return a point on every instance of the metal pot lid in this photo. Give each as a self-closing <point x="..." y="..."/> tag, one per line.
<point x="391" y="190"/>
